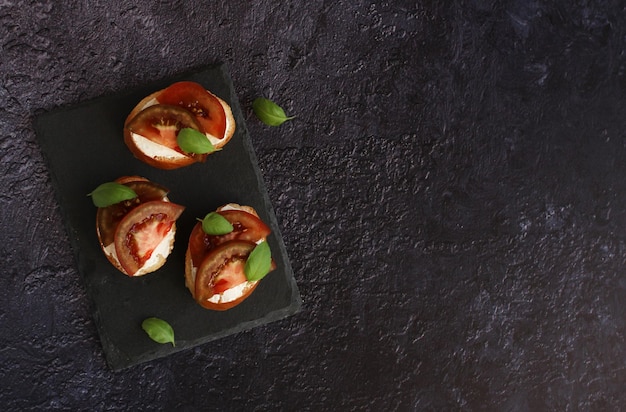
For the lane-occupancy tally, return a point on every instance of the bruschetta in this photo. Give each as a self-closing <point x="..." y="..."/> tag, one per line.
<point x="153" y="127"/>
<point x="137" y="234"/>
<point x="216" y="265"/>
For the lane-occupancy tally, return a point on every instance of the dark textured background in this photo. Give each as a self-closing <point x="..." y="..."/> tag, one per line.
<point x="451" y="196"/>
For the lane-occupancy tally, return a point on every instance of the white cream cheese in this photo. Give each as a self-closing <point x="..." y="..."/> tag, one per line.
<point x="155" y="150"/>
<point x="231" y="206"/>
<point x="149" y="103"/>
<point x="233" y="293"/>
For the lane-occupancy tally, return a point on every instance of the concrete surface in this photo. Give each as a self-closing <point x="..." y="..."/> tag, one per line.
<point x="451" y="195"/>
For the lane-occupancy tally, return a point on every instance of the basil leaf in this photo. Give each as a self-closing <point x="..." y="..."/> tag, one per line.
<point x="159" y="330"/>
<point x="216" y="224"/>
<point x="193" y="141"/>
<point x="110" y="193"/>
<point x="269" y="112"/>
<point x="259" y="262"/>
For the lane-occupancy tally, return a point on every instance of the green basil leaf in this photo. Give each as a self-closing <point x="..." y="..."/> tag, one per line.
<point x="216" y="224"/>
<point x="110" y="193"/>
<point x="193" y="141"/>
<point x="259" y="262"/>
<point x="159" y="330"/>
<point x="269" y="112"/>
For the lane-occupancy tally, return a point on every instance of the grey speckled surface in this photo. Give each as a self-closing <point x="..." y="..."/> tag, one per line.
<point x="451" y="196"/>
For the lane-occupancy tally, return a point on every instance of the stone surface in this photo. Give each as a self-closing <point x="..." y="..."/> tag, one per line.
<point x="450" y="194"/>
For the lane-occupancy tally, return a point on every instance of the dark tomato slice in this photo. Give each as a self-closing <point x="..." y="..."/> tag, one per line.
<point x="205" y="106"/>
<point x="222" y="269"/>
<point x="246" y="227"/>
<point x="161" y="124"/>
<point x="141" y="231"/>
<point x="109" y="217"/>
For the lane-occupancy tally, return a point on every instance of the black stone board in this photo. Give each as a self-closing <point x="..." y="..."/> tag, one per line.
<point x="83" y="146"/>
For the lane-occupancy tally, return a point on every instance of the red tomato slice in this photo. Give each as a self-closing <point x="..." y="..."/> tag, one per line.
<point x="141" y="231"/>
<point x="246" y="227"/>
<point x="195" y="98"/>
<point x="222" y="269"/>
<point x="109" y="217"/>
<point x="161" y="124"/>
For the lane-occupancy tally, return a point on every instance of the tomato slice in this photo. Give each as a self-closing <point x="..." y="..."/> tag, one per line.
<point x="161" y="124"/>
<point x="141" y="231"/>
<point x="246" y="227"/>
<point x="108" y="218"/>
<point x="222" y="269"/>
<point x="205" y="106"/>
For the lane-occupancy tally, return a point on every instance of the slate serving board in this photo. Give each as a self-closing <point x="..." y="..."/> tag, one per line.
<point x="83" y="146"/>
